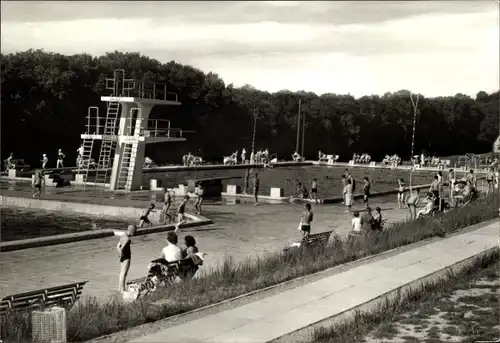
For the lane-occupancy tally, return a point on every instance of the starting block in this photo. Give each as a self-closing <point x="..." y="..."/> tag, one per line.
<point x="416" y="166"/>
<point x="372" y="164"/>
<point x="351" y="162"/>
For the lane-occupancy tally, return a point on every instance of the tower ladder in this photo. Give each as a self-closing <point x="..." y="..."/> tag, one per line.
<point x="108" y="145"/>
<point x="85" y="160"/>
<point x="127" y="166"/>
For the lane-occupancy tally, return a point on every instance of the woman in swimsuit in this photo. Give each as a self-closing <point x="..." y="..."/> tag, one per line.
<point x="125" y="255"/>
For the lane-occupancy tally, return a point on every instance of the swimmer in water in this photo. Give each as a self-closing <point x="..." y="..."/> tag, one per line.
<point x="181" y="219"/>
<point x="144" y="218"/>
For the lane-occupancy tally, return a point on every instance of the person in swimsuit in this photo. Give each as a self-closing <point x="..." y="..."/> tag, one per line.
<point x="314" y="190"/>
<point x="490" y="178"/>
<point x="44" y="161"/>
<point x="305" y="222"/>
<point x="181" y="219"/>
<point x="348" y="195"/>
<point x="377" y="219"/>
<point x="199" y="199"/>
<point x="412" y="203"/>
<point x="401" y="192"/>
<point x="125" y="255"/>
<point x="60" y="159"/>
<point x="366" y="190"/>
<point x="434" y="189"/>
<point x="144" y="218"/>
<point x="167" y="202"/>
<point x="37" y="185"/>
<point x="256" y="184"/>
<point x="344" y="183"/>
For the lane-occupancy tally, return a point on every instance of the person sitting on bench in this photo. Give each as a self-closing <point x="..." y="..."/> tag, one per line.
<point x="429" y="206"/>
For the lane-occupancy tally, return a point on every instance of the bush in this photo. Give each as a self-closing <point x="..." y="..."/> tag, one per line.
<point x="90" y="318"/>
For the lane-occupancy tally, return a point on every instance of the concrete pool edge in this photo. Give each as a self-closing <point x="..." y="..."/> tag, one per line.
<point x="270" y="199"/>
<point x="95" y="234"/>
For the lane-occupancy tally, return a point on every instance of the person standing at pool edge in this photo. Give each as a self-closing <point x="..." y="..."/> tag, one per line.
<point x="256" y="185"/>
<point x="39" y="182"/>
<point x="125" y="255"/>
<point x="180" y="213"/>
<point x="60" y="159"/>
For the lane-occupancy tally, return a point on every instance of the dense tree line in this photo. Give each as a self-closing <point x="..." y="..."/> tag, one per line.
<point x="45" y="97"/>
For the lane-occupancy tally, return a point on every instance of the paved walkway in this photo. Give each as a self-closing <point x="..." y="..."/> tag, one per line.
<point x="240" y="231"/>
<point x="277" y="315"/>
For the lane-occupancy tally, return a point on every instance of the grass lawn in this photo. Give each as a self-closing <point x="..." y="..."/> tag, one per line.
<point x="463" y="308"/>
<point x="90" y="318"/>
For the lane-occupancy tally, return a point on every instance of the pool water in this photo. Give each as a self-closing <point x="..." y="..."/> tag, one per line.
<point x="26" y="223"/>
<point x="328" y="178"/>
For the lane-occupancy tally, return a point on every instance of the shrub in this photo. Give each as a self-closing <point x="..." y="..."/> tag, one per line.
<point x="90" y="318"/>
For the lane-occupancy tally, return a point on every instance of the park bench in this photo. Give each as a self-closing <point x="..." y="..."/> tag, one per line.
<point x="18" y="165"/>
<point x="62" y="296"/>
<point x="176" y="270"/>
<point x="311" y="240"/>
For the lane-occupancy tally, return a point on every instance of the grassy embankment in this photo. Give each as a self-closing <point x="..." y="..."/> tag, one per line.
<point x="90" y="318"/>
<point x="461" y="307"/>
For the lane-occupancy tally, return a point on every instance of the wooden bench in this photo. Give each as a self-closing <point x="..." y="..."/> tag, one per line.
<point x="63" y="296"/>
<point x="312" y="240"/>
<point x="175" y="269"/>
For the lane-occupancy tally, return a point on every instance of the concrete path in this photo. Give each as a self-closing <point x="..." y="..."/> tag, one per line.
<point x="277" y="315"/>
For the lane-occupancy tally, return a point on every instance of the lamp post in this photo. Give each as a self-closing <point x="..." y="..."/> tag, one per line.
<point x="255" y="114"/>
<point x="415" y="110"/>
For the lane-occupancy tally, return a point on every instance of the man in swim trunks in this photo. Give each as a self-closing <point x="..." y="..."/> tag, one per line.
<point x="181" y="219"/>
<point x="199" y="199"/>
<point x="306" y="219"/>
<point x="144" y="218"/>
<point x="489" y="179"/>
<point x="314" y="190"/>
<point x="412" y="203"/>
<point x="401" y="192"/>
<point x="167" y="202"/>
<point x="256" y="184"/>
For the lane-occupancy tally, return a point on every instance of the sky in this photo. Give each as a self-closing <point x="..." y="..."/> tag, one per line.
<point x="436" y="48"/>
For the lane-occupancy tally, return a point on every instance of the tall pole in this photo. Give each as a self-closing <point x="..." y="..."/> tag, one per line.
<point x="298" y="130"/>
<point x="303" y="132"/>
<point x="255" y="114"/>
<point x="415" y="109"/>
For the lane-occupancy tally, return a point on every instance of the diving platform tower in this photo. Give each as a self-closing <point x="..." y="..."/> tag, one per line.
<point x="124" y="132"/>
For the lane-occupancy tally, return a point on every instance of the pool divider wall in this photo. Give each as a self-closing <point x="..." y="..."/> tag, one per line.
<point x="277" y="194"/>
<point x="85" y="209"/>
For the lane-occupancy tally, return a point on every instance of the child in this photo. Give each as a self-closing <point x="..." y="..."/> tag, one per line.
<point x="167" y="202"/>
<point x="412" y="203"/>
<point x="180" y="213"/>
<point x="125" y="254"/>
<point x="144" y="218"/>
<point x="366" y="190"/>
<point x="377" y="219"/>
<point x="199" y="199"/>
<point x="401" y="192"/>
<point x="314" y="190"/>
<point x="305" y="222"/>
<point x="355" y="224"/>
<point x="429" y="206"/>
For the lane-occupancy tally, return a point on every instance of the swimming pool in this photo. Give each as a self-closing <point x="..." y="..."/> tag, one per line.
<point x="24" y="224"/>
<point x="329" y="178"/>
